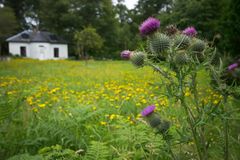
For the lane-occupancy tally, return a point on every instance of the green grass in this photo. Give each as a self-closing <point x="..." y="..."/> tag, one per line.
<point x="53" y="108"/>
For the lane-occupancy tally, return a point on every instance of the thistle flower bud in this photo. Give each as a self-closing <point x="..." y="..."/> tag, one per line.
<point x="181" y="41"/>
<point x="163" y="128"/>
<point x="200" y="56"/>
<point x="137" y="59"/>
<point x="159" y="43"/>
<point x="171" y="30"/>
<point x="154" y="120"/>
<point x="181" y="58"/>
<point x="198" y="46"/>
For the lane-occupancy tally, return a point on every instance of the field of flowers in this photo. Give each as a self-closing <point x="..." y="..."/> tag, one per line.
<point x="91" y="110"/>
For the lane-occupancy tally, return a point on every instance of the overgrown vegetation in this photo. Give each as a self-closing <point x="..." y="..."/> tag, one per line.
<point x="69" y="110"/>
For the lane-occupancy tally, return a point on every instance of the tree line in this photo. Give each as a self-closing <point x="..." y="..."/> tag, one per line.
<point x="111" y="28"/>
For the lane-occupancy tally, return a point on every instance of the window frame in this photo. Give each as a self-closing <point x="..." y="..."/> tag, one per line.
<point x="23" y="51"/>
<point x="56" y="52"/>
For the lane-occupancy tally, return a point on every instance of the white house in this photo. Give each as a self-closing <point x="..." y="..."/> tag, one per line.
<point x="38" y="45"/>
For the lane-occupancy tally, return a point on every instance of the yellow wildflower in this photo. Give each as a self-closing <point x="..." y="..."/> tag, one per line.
<point x="215" y="102"/>
<point x="42" y="105"/>
<point x="103" y="123"/>
<point x="138" y="104"/>
<point x="112" y="116"/>
<point x="35" y="110"/>
<point x="187" y="94"/>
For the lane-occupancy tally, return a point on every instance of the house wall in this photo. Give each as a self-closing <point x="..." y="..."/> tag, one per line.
<point x="63" y="51"/>
<point x="42" y="51"/>
<point x="14" y="48"/>
<point x="39" y="51"/>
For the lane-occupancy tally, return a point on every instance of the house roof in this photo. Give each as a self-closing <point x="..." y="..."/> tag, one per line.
<point x="29" y="36"/>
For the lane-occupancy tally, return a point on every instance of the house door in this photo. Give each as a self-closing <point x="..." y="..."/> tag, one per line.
<point x="23" y="51"/>
<point x="42" y="52"/>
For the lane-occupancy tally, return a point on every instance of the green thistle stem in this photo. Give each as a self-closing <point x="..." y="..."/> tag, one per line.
<point x="201" y="129"/>
<point x="190" y="121"/>
<point x="170" y="150"/>
<point x="160" y="71"/>
<point x="226" y="130"/>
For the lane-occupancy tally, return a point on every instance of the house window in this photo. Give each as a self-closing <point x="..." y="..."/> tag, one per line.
<point x="56" y="52"/>
<point x="23" y="51"/>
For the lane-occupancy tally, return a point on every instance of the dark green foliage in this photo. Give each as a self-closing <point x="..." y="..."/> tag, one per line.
<point x="147" y="8"/>
<point x="8" y="24"/>
<point x="202" y="14"/>
<point x="87" y="40"/>
<point x="24" y="9"/>
<point x="229" y="26"/>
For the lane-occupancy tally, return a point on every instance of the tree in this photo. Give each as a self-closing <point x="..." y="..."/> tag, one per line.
<point x="147" y="8"/>
<point x="122" y="12"/>
<point x="108" y="27"/>
<point x="25" y="12"/>
<point x="65" y="17"/>
<point x="204" y="15"/>
<point x="86" y="40"/>
<point x="230" y="26"/>
<point x="8" y="24"/>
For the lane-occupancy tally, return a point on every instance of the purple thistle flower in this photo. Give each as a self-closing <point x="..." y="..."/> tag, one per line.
<point x="190" y="31"/>
<point x="149" y="26"/>
<point x="126" y="54"/>
<point x="232" y="66"/>
<point x="148" y="110"/>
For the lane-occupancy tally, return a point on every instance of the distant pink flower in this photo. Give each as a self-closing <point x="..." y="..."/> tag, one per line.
<point x="125" y="54"/>
<point x="190" y="31"/>
<point x="148" y="110"/>
<point x="232" y="66"/>
<point x="149" y="26"/>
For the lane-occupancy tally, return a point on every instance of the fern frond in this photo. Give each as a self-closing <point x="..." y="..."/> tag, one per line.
<point x="97" y="150"/>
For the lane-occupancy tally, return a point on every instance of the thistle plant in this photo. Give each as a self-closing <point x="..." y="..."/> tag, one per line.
<point x="126" y="54"/>
<point x="155" y="120"/>
<point x="183" y="55"/>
